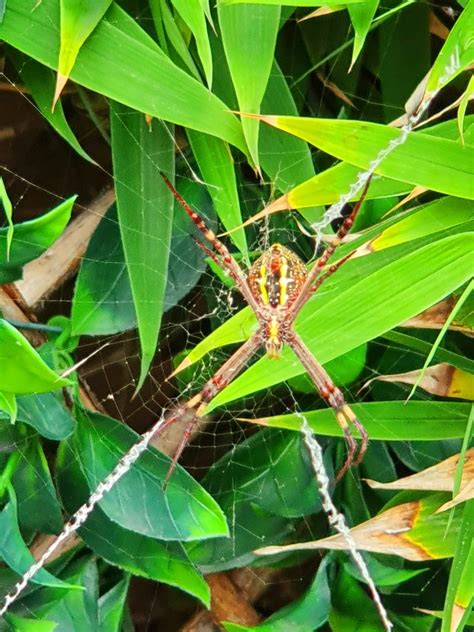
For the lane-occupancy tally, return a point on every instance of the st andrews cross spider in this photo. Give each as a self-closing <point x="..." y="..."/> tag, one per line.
<point x="276" y="287"/>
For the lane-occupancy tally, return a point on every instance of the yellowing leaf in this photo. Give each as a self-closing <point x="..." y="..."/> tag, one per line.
<point x="439" y="477"/>
<point x="412" y="530"/>
<point x="442" y="379"/>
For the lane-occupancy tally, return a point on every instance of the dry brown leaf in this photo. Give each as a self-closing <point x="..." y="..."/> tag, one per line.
<point x="322" y="11"/>
<point x="466" y="493"/>
<point x="439" y="477"/>
<point x="434" y="317"/>
<point x="444" y="380"/>
<point x="332" y="87"/>
<point x="382" y="534"/>
<point x="437" y="27"/>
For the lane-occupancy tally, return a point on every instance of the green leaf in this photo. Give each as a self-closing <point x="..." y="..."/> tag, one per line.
<point x="457" y="53"/>
<point x="20" y="624"/>
<point x="10" y="436"/>
<point x="38" y="506"/>
<point x="193" y="15"/>
<point x="8" y="404"/>
<point x="23" y="370"/>
<point x="217" y="169"/>
<point x="71" y="609"/>
<point x="387" y="421"/>
<point x="361" y="14"/>
<point x="31" y="239"/>
<point x="135" y="553"/>
<point x="15" y="553"/>
<point x="8" y="210"/>
<point x="103" y="302"/>
<point x="145" y="211"/>
<point x="307" y="613"/>
<point x="466" y="97"/>
<point x="352" y="610"/>
<point x="290" y="3"/>
<point x="78" y="20"/>
<point x="460" y="591"/>
<point x="111" y="607"/>
<point x="40" y="81"/>
<point x="160" y="89"/>
<point x="47" y="414"/>
<point x="137" y="502"/>
<point x="285" y="159"/>
<point x="250" y="483"/>
<point x="249" y="36"/>
<point x="424" y="160"/>
<point x="418" y="279"/>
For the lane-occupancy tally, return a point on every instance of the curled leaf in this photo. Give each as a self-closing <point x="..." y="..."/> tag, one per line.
<point x="444" y="380"/>
<point x="412" y="530"/>
<point x="440" y="477"/>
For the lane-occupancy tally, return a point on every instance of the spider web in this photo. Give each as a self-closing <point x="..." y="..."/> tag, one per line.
<point x="250" y="464"/>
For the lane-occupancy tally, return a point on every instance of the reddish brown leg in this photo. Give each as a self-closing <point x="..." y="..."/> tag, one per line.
<point x="344" y="415"/>
<point x="196" y="405"/>
<point x="311" y="284"/>
<point x="227" y="262"/>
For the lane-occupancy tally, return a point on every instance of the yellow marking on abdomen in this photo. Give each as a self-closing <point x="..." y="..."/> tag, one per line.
<point x="263" y="284"/>
<point x="274" y="328"/>
<point x="283" y="281"/>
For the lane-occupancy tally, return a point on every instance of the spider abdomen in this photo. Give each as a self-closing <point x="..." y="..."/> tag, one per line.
<point x="276" y="278"/>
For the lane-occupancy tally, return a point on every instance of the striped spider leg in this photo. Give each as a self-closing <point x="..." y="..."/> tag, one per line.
<point x="276" y="287"/>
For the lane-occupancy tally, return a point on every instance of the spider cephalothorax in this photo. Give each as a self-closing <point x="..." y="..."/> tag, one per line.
<point x="275" y="280"/>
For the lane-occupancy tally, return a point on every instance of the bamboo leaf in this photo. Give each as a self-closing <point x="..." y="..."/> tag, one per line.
<point x="249" y="34"/>
<point x="423" y="160"/>
<point x="411" y="530"/>
<point x="217" y="168"/>
<point x="160" y="89"/>
<point x="418" y="279"/>
<point x="460" y="590"/>
<point x="386" y="421"/>
<point x="40" y="81"/>
<point x="442" y="379"/>
<point x="145" y="211"/>
<point x="439" y="477"/>
<point x="78" y="20"/>
<point x="457" y="53"/>
<point x="361" y="14"/>
<point x="7" y="210"/>
<point x="193" y="15"/>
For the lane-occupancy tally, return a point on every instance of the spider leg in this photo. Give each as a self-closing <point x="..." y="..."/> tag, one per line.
<point x="344" y="414"/>
<point x="196" y="405"/>
<point x="312" y="281"/>
<point x="228" y="263"/>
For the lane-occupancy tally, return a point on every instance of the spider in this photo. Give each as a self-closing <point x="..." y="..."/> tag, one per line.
<point x="276" y="287"/>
